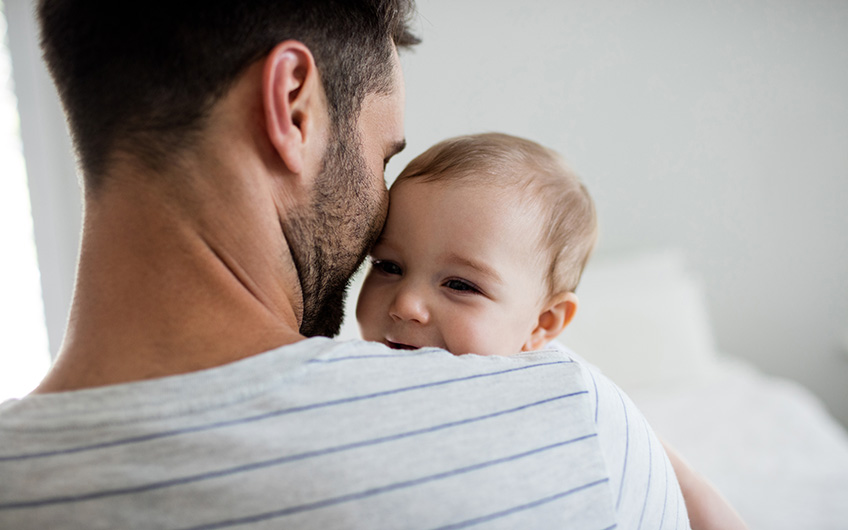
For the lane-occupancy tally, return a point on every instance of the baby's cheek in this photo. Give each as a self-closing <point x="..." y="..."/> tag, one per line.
<point x="475" y="337"/>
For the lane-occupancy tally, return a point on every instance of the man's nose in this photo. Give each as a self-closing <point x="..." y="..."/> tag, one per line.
<point x="410" y="304"/>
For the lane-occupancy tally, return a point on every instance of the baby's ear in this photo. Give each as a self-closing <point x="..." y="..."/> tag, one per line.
<point x="556" y="315"/>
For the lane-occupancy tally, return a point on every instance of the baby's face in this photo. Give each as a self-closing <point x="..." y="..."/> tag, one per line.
<point x="457" y="267"/>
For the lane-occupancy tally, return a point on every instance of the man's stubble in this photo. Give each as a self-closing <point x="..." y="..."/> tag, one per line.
<point x="330" y="239"/>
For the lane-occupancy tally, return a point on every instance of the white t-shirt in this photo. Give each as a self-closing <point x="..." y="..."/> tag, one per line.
<point x="324" y="434"/>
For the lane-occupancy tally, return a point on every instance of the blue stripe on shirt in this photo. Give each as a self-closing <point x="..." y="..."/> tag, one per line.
<point x="523" y="507"/>
<point x="677" y="511"/>
<point x="383" y="489"/>
<point x="273" y="462"/>
<point x="404" y="355"/>
<point x="665" y="494"/>
<point x="267" y="415"/>
<point x="626" y="449"/>
<point x="595" y="385"/>
<point x="650" y="472"/>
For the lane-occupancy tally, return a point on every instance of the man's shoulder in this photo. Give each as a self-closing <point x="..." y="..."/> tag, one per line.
<point x="372" y="367"/>
<point x="364" y="353"/>
<point x="312" y="370"/>
<point x="349" y="432"/>
<point x="644" y="486"/>
<point x="310" y="362"/>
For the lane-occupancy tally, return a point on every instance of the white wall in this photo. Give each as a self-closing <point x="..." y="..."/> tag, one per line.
<point x="720" y="127"/>
<point x="51" y="169"/>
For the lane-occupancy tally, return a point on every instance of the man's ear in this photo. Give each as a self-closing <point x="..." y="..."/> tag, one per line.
<point x="292" y="97"/>
<point x="556" y="315"/>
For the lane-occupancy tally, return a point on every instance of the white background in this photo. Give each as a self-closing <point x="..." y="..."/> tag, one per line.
<point x="24" y="357"/>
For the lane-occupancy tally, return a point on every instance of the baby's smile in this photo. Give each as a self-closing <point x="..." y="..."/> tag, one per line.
<point x="400" y="346"/>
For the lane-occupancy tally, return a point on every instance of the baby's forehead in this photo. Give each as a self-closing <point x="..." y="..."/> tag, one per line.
<point x="508" y="190"/>
<point x="509" y="200"/>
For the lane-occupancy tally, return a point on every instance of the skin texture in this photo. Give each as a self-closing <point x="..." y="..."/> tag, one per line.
<point x="330" y="238"/>
<point x="329" y="235"/>
<point x="193" y="267"/>
<point x="457" y="267"/>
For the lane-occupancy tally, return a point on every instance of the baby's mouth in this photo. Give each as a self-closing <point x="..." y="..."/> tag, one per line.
<point x="400" y="346"/>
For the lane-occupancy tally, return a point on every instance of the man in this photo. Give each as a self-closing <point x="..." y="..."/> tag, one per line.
<point x="233" y="157"/>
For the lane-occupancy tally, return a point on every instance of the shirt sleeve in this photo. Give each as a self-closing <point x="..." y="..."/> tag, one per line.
<point x="645" y="490"/>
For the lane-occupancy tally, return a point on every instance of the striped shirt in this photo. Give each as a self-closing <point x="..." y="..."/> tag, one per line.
<point x="324" y="434"/>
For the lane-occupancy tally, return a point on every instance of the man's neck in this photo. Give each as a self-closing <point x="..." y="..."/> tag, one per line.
<point x="160" y="292"/>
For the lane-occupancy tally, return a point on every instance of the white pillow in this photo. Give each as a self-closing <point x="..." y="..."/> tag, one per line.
<point x="642" y="319"/>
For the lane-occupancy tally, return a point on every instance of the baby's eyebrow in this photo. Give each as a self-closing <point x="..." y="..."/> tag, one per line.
<point x="476" y="265"/>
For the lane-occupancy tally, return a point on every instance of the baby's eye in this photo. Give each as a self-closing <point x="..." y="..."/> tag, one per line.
<point x="461" y="285"/>
<point x="386" y="267"/>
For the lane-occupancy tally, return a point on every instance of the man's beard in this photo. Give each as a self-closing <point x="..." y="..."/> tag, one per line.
<point x="330" y="238"/>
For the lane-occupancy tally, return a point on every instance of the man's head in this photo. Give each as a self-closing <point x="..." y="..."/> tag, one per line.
<point x="484" y="244"/>
<point x="138" y="79"/>
<point x="145" y="86"/>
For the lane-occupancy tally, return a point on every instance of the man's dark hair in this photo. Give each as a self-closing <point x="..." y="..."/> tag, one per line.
<point x="140" y="77"/>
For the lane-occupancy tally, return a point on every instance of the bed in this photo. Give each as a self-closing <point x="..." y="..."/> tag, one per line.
<point x="767" y="443"/>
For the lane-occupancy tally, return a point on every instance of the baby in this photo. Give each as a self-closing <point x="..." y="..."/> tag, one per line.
<point x="483" y="247"/>
<point x="482" y="250"/>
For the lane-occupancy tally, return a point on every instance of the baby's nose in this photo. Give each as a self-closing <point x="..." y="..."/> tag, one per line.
<point x="410" y="304"/>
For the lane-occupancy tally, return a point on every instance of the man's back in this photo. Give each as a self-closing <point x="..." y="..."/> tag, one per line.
<point x="322" y="434"/>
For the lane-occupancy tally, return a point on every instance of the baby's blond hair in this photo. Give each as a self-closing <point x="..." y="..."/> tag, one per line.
<point x="568" y="221"/>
